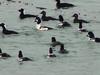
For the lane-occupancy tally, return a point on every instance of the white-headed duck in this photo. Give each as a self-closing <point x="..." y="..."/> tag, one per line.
<point x="40" y="27"/>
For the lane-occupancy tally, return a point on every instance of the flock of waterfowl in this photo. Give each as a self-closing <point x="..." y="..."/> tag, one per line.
<point x="44" y="18"/>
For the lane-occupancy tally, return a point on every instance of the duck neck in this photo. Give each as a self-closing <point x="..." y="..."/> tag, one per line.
<point x="62" y="47"/>
<point x="44" y="15"/>
<point x="20" y="55"/>
<point x="53" y="40"/>
<point x="80" y="25"/>
<point x="4" y="28"/>
<point x="22" y="12"/>
<point x="0" y="51"/>
<point x="76" y="18"/>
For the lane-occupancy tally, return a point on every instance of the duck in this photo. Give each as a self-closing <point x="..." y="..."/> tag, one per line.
<point x="51" y="54"/>
<point x="92" y="37"/>
<point x="46" y="18"/>
<point x="39" y="26"/>
<point x="21" y="58"/>
<point x="54" y="42"/>
<point x="81" y="27"/>
<point x="62" y="50"/>
<point x="63" y="5"/>
<point x="23" y="16"/>
<point x="7" y="32"/>
<point x="63" y="23"/>
<point x="4" y="55"/>
<point x="77" y="20"/>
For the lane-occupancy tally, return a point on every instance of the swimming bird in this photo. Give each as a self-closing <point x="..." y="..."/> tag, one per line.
<point x="4" y="55"/>
<point x="63" y="5"/>
<point x="39" y="26"/>
<point x="51" y="54"/>
<point x="46" y="18"/>
<point x="77" y="20"/>
<point x="21" y="58"/>
<point x="92" y="37"/>
<point x="23" y="16"/>
<point x="81" y="27"/>
<point x="54" y="42"/>
<point x="63" y="23"/>
<point x="62" y="50"/>
<point x="5" y="31"/>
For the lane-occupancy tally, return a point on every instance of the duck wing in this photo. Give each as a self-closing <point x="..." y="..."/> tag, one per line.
<point x="26" y="59"/>
<point x="64" y="5"/>
<point x="97" y="39"/>
<point x="29" y="15"/>
<point x="46" y="27"/>
<point x="56" y="43"/>
<point x="66" y="24"/>
<point x="5" y="55"/>
<point x="51" y="18"/>
<point x="10" y="32"/>
<point x="84" y="21"/>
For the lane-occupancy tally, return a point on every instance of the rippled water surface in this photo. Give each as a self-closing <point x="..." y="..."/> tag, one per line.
<point x="84" y="55"/>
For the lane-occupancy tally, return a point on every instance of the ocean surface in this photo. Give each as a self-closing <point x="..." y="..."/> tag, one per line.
<point x="84" y="55"/>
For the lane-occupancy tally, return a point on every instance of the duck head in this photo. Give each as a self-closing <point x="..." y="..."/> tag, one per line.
<point x="20" y="55"/>
<point x="61" y="19"/>
<point x="53" y="39"/>
<point x="21" y="10"/>
<point x="43" y="12"/>
<point x="75" y="15"/>
<point x="2" y="24"/>
<point x="91" y="35"/>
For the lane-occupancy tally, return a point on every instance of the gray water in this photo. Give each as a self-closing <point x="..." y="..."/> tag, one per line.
<point x="83" y="57"/>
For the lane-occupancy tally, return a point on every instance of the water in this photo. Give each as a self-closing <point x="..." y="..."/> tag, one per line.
<point x="83" y="57"/>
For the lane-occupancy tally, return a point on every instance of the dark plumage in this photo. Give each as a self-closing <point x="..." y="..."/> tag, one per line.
<point x="39" y="26"/>
<point x="20" y="56"/>
<point x="46" y="18"/>
<point x="63" y="5"/>
<point x="7" y="32"/>
<point x="62" y="50"/>
<point x="63" y="23"/>
<point x="76" y="20"/>
<point x="54" y="42"/>
<point x="81" y="27"/>
<point x="4" y="55"/>
<point x="23" y="16"/>
<point x="50" y="54"/>
<point x="92" y="37"/>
